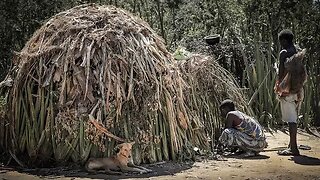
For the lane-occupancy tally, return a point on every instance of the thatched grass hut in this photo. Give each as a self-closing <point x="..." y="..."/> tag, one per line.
<point x="101" y="64"/>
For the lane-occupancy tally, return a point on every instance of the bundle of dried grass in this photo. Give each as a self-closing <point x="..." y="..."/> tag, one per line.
<point x="102" y="61"/>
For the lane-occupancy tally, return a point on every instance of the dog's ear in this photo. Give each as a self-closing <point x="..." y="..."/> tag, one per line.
<point x="132" y="143"/>
<point x="118" y="147"/>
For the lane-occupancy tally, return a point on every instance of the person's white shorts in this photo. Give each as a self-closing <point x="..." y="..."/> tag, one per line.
<point x="290" y="107"/>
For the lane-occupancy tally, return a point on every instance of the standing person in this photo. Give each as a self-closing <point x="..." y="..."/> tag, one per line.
<point x="289" y="86"/>
<point x="241" y="131"/>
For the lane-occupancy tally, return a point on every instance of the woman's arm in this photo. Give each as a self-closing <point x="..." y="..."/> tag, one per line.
<point x="232" y="120"/>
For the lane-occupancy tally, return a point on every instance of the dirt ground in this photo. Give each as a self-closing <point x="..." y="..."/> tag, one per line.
<point x="267" y="166"/>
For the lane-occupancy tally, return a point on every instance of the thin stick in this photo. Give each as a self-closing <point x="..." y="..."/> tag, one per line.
<point x="100" y="127"/>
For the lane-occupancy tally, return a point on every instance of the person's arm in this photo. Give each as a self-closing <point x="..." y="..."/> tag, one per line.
<point x="232" y="120"/>
<point x="229" y="121"/>
<point x="282" y="59"/>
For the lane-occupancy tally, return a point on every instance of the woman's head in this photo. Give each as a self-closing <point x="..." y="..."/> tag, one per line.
<point x="226" y="106"/>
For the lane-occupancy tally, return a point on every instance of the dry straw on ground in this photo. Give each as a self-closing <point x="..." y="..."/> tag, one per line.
<point x="102" y="62"/>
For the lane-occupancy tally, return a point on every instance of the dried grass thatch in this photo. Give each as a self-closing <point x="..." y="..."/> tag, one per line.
<point x="101" y="62"/>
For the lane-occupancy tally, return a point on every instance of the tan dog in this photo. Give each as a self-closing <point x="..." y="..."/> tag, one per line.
<point x="120" y="161"/>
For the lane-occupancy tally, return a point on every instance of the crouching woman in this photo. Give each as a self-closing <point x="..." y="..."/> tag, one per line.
<point x="241" y="131"/>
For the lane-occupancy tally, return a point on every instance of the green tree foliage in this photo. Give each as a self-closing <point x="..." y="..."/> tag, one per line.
<point x="19" y="19"/>
<point x="249" y="30"/>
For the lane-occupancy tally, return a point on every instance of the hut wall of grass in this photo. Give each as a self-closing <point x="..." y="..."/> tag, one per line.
<point x="101" y="64"/>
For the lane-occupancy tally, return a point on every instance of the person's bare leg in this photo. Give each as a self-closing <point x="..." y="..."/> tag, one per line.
<point x="293" y="138"/>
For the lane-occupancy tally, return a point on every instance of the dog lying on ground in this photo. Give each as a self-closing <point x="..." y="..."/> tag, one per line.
<point x="121" y="161"/>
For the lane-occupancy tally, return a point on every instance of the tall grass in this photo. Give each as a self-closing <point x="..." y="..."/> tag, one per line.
<point x="260" y="75"/>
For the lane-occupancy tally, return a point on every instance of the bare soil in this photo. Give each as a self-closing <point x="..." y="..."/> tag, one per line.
<point x="267" y="166"/>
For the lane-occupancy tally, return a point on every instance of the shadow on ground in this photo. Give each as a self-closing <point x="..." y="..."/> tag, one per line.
<point x="306" y="160"/>
<point x="159" y="169"/>
<point x="259" y="156"/>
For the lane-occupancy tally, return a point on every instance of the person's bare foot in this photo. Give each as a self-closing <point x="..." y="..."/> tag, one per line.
<point x="248" y="154"/>
<point x="289" y="152"/>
